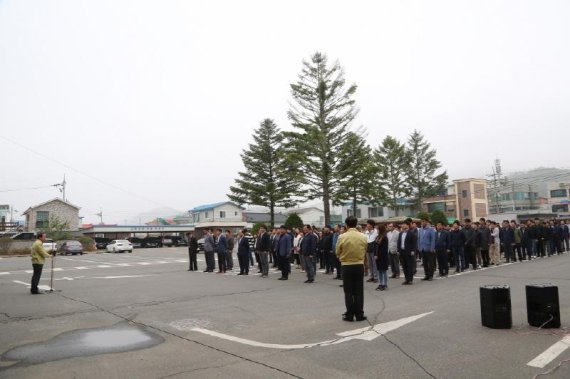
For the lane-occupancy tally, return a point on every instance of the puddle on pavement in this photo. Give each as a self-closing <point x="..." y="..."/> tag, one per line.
<point x="85" y="342"/>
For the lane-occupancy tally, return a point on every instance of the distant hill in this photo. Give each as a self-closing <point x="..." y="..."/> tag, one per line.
<point x="153" y="214"/>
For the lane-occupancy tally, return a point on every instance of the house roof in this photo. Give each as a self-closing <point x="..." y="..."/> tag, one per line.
<point x="303" y="210"/>
<point x="255" y="217"/>
<point x="50" y="201"/>
<point x="207" y="207"/>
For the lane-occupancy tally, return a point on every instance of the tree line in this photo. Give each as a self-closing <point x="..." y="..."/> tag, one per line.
<point x="325" y="157"/>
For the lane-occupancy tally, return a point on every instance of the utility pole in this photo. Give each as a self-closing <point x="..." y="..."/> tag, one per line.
<point x="100" y="214"/>
<point x="496" y="180"/>
<point x="61" y="187"/>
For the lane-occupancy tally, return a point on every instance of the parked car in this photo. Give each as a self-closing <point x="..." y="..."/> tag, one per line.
<point x="101" y="242"/>
<point x="167" y="241"/>
<point x="50" y="245"/>
<point x="70" y="247"/>
<point x="201" y="245"/>
<point x="118" y="246"/>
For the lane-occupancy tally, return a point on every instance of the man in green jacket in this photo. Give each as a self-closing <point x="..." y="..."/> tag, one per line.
<point x="39" y="254"/>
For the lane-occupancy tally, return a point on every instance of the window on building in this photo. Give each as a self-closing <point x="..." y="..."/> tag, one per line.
<point x="432" y="207"/>
<point x="558" y="208"/>
<point x="206" y="215"/>
<point x="466" y="213"/>
<point x="559" y="193"/>
<point x="235" y="213"/>
<point x="506" y="196"/>
<point x="375" y="212"/>
<point x="222" y="214"/>
<point x="42" y="219"/>
<point x="464" y="193"/>
<point x="358" y="213"/>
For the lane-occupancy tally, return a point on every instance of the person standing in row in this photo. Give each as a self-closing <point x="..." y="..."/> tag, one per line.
<point x="230" y="252"/>
<point x="371" y="235"/>
<point x="309" y="248"/>
<point x="457" y="244"/>
<point x="484" y="237"/>
<point x="426" y="246"/>
<point x="495" y="244"/>
<point x="38" y="254"/>
<point x="393" y="234"/>
<point x="382" y="258"/>
<point x="407" y="246"/>
<point x="209" y="251"/>
<point x="221" y="249"/>
<point x="192" y="252"/>
<point x="262" y="247"/>
<point x="351" y="250"/>
<point x="336" y="234"/>
<point x="283" y="253"/>
<point x="442" y="250"/>
<point x="243" y="252"/>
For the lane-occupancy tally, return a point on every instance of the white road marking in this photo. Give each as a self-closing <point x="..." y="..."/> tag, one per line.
<point x="123" y="264"/>
<point x="58" y="269"/>
<point x="4" y="273"/>
<point x="42" y="287"/>
<point x="82" y="268"/>
<point x="366" y="334"/>
<point x="104" y="266"/>
<point x="29" y="271"/>
<point x="144" y="263"/>
<point x="551" y="353"/>
<point x="119" y="277"/>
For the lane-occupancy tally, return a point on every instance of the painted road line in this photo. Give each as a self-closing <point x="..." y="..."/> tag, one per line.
<point x="29" y="271"/>
<point x="365" y="334"/>
<point x="42" y="287"/>
<point x="5" y="273"/>
<point x="58" y="269"/>
<point x="104" y="266"/>
<point x="144" y="263"/>
<point x="81" y="268"/>
<point x="119" y="277"/>
<point x="551" y="353"/>
<point x="124" y="264"/>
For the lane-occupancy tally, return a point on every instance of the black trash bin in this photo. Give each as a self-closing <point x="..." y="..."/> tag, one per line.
<point x="496" y="306"/>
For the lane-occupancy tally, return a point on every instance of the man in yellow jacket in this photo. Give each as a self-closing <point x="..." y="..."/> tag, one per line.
<point x="39" y="254"/>
<point x="351" y="250"/>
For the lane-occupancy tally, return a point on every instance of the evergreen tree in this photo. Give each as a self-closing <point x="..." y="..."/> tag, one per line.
<point x="438" y="216"/>
<point x="268" y="180"/>
<point x="423" y="165"/>
<point x="294" y="221"/>
<point x="391" y="165"/>
<point x="356" y="172"/>
<point x="320" y="113"/>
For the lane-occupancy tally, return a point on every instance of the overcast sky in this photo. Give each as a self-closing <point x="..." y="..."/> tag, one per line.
<point x="148" y="104"/>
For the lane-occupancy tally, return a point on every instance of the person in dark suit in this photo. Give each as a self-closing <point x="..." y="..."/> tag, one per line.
<point x="262" y="248"/>
<point x="192" y="251"/>
<point x="407" y="246"/>
<point x="442" y="249"/>
<point x="382" y="257"/>
<point x="221" y="249"/>
<point x="283" y="252"/>
<point x="243" y="253"/>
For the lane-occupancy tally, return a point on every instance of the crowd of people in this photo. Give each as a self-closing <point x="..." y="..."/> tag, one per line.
<point x="352" y="252"/>
<point x="398" y="248"/>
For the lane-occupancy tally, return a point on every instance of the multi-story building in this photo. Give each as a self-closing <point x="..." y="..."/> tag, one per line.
<point x="366" y="210"/>
<point x="465" y="198"/>
<point x="223" y="215"/>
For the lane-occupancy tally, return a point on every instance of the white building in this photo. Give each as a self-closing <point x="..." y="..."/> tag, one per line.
<point x="378" y="212"/>
<point x="39" y="216"/>
<point x="223" y="215"/>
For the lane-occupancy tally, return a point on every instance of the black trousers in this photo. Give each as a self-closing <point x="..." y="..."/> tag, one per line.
<point x="353" y="285"/>
<point x="408" y="265"/>
<point x="443" y="262"/>
<point x="222" y="262"/>
<point x="36" y="276"/>
<point x="470" y="257"/>
<point x="210" y="261"/>
<point x="486" y="258"/>
<point x="243" y="260"/>
<point x="428" y="258"/>
<point x="284" y="265"/>
<point x="193" y="261"/>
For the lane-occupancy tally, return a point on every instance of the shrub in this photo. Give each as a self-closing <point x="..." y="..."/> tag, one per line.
<point x="88" y="243"/>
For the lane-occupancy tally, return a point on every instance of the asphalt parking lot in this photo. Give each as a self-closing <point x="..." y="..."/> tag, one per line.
<point x="142" y="315"/>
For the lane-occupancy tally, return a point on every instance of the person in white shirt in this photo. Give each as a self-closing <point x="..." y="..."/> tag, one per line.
<point x="371" y="234"/>
<point x="495" y="244"/>
<point x="392" y="236"/>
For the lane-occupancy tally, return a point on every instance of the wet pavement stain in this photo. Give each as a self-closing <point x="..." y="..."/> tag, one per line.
<point x="118" y="338"/>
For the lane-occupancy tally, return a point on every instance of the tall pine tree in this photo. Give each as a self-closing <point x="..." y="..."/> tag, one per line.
<point x="391" y="166"/>
<point x="267" y="180"/>
<point x="321" y="111"/>
<point x="356" y="172"/>
<point x="423" y="165"/>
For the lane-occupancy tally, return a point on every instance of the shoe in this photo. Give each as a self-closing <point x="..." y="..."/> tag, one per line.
<point x="430" y="279"/>
<point x="361" y="318"/>
<point x="247" y="273"/>
<point x="241" y="273"/>
<point x="426" y="278"/>
<point x="338" y="278"/>
<point x="312" y="281"/>
<point x="379" y="288"/>
<point x="371" y="280"/>
<point x="393" y="276"/>
<point x="206" y="271"/>
<point x="348" y="318"/>
<point x="264" y="276"/>
<point x="406" y="283"/>
<point x="307" y="281"/>
<point x="259" y="272"/>
<point x="282" y="278"/>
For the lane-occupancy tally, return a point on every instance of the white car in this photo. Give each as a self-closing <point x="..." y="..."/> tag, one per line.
<point x="117" y="246"/>
<point x="50" y="245"/>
